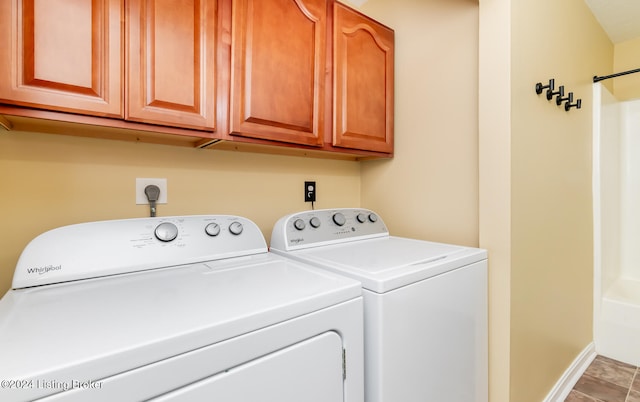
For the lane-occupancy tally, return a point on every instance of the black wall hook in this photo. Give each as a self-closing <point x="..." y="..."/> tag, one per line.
<point x="559" y="94"/>
<point x="540" y="87"/>
<point x="551" y="94"/>
<point x="560" y="99"/>
<point x="577" y="105"/>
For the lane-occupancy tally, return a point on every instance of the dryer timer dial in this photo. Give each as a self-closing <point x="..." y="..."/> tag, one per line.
<point x="166" y="232"/>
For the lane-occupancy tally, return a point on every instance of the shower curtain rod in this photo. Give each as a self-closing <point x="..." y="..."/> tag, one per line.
<point x="606" y="77"/>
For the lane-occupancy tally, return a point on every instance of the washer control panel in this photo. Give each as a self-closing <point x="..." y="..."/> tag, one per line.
<point x="326" y="226"/>
<point x="95" y="249"/>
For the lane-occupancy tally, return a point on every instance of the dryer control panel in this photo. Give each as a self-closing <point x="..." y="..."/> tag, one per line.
<point x="326" y="226"/>
<point x="95" y="249"/>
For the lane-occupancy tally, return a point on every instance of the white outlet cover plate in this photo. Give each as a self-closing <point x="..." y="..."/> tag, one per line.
<point x="142" y="183"/>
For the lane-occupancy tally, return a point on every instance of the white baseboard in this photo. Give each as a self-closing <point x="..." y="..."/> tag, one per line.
<point x="570" y="377"/>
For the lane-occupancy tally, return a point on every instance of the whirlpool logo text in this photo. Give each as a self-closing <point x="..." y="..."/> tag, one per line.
<point x="44" y="270"/>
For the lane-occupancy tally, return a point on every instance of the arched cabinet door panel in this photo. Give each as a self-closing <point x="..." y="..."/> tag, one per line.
<point x="363" y="82"/>
<point x="279" y="50"/>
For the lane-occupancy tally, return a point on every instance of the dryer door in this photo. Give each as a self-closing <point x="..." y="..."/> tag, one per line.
<point x="309" y="371"/>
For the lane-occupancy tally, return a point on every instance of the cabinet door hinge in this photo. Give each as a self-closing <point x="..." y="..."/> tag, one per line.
<point x="344" y="364"/>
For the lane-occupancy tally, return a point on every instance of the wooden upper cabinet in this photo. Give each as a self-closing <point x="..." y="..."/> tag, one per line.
<point x="62" y="55"/>
<point x="251" y="71"/>
<point x="171" y="65"/>
<point x="363" y="82"/>
<point x="278" y="68"/>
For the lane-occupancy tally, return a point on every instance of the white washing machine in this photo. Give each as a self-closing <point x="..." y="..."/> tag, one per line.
<point x="188" y="308"/>
<point x="425" y="303"/>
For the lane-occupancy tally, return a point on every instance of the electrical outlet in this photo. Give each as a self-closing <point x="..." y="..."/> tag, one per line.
<point x="310" y="191"/>
<point x="141" y="197"/>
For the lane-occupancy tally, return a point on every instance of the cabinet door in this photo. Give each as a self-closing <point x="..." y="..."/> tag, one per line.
<point x="62" y="55"/>
<point x="171" y="66"/>
<point x="363" y="82"/>
<point x="278" y="70"/>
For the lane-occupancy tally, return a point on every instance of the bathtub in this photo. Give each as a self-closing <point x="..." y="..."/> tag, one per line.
<point x="619" y="332"/>
<point x="616" y="204"/>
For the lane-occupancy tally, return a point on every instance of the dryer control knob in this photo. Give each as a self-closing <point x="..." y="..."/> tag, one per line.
<point x="235" y="228"/>
<point x="339" y="219"/>
<point x="299" y="224"/>
<point x="166" y="231"/>
<point x="315" y="222"/>
<point x="373" y="218"/>
<point x="362" y="218"/>
<point x="212" y="229"/>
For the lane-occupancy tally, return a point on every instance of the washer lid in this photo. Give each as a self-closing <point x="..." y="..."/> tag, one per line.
<point x="384" y="264"/>
<point x="91" y="329"/>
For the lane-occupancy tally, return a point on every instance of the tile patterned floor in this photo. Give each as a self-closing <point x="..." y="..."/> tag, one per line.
<point x="607" y="380"/>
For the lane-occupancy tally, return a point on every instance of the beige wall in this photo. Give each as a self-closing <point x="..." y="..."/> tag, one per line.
<point x="551" y="200"/>
<point x="48" y="181"/>
<point x="430" y="189"/>
<point x="626" y="57"/>
<point x="495" y="182"/>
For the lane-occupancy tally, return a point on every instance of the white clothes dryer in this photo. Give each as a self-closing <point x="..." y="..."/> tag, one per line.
<point x="425" y="303"/>
<point x="189" y="308"/>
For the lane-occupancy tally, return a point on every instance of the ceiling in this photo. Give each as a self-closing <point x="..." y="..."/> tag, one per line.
<point x="619" y="18"/>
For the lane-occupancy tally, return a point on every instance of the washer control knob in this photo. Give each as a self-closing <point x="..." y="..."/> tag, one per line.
<point x="339" y="219"/>
<point x="235" y="228"/>
<point x="315" y="222"/>
<point x="373" y="218"/>
<point x="362" y="218"/>
<point x="166" y="231"/>
<point x="299" y="224"/>
<point x="212" y="229"/>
